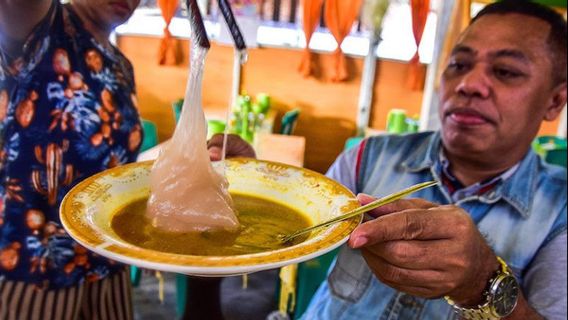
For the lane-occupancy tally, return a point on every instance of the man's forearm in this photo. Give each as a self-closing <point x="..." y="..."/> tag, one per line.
<point x="523" y="311"/>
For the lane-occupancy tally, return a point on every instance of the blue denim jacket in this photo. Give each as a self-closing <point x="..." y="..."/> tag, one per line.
<point x="518" y="217"/>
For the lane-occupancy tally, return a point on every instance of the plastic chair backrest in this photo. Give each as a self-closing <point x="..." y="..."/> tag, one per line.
<point x="552" y="149"/>
<point x="150" y="135"/>
<point x="556" y="157"/>
<point x="176" y="108"/>
<point x="352" y="142"/>
<point x="289" y="121"/>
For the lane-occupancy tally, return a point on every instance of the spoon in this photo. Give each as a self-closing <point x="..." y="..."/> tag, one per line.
<point x="354" y="213"/>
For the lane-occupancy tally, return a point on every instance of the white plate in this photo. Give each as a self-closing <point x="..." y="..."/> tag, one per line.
<point x="87" y="210"/>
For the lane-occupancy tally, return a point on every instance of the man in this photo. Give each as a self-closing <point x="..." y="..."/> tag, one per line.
<point x="491" y="238"/>
<point x="67" y="110"/>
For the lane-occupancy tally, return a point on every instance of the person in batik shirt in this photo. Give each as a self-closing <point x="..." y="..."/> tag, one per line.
<point x="67" y="111"/>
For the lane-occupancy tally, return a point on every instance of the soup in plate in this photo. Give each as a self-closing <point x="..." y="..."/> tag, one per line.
<point x="261" y="221"/>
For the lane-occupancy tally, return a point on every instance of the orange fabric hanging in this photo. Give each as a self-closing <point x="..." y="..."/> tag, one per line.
<point x="420" y="9"/>
<point x="339" y="17"/>
<point x="460" y="19"/>
<point x="310" y="19"/>
<point x="167" y="54"/>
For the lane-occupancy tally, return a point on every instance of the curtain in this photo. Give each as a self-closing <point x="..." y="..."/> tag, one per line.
<point x="168" y="51"/>
<point x="419" y="9"/>
<point x="311" y="12"/>
<point x="459" y="20"/>
<point x="339" y="17"/>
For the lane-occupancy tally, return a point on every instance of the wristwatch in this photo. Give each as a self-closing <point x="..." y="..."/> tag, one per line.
<point x="501" y="297"/>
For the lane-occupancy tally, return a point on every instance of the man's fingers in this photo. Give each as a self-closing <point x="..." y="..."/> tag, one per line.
<point x="398" y="205"/>
<point x="413" y="254"/>
<point x="411" y="224"/>
<point x="215" y="153"/>
<point x="365" y="199"/>
<point x="216" y="140"/>
<point x="236" y="146"/>
<point x="423" y="283"/>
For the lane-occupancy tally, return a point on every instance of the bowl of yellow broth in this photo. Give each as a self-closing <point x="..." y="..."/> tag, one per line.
<point x="106" y="214"/>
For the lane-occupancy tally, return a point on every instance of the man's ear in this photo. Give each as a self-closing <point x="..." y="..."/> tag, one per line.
<point x="557" y="102"/>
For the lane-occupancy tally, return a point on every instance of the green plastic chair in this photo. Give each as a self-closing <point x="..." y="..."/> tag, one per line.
<point x="352" y="142"/>
<point x="289" y="121"/>
<point x="552" y="149"/>
<point x="176" y="108"/>
<point x="181" y="293"/>
<point x="150" y="135"/>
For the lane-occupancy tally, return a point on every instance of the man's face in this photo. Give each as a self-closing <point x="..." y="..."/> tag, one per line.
<point x="497" y="87"/>
<point x="109" y="13"/>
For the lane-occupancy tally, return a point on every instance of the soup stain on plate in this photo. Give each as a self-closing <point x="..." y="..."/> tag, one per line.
<point x="261" y="222"/>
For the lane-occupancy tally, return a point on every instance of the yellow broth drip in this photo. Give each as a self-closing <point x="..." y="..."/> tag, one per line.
<point x="261" y="221"/>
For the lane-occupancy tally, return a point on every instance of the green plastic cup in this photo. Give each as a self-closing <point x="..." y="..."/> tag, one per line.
<point x="396" y="121"/>
<point x="263" y="103"/>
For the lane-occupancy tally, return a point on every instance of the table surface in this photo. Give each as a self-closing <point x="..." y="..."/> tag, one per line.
<point x="280" y="148"/>
<point x="268" y="146"/>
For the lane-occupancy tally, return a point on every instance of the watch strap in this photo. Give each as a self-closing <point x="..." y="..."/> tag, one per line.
<point x="481" y="312"/>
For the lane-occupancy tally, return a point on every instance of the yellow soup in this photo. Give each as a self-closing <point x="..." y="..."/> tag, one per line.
<point x="261" y="221"/>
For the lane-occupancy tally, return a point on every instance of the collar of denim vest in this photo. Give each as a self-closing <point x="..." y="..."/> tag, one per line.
<point x="517" y="190"/>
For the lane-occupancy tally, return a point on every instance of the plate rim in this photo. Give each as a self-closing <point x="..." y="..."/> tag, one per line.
<point x="203" y="269"/>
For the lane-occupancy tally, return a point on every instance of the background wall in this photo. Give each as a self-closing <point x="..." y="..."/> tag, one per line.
<point x="328" y="110"/>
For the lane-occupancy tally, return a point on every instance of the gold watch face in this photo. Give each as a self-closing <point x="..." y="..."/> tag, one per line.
<point x="504" y="293"/>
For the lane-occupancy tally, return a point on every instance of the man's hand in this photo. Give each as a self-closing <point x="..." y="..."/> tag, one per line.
<point x="236" y="147"/>
<point x="426" y="250"/>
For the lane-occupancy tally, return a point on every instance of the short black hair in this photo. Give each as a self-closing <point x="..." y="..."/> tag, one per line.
<point x="556" y="38"/>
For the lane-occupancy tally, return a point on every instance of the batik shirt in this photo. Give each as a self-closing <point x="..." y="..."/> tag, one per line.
<point x="67" y="111"/>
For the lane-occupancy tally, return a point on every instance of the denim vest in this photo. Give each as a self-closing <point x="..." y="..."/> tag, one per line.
<point x="517" y="218"/>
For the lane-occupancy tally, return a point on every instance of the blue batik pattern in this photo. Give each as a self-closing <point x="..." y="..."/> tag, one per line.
<point x="67" y="111"/>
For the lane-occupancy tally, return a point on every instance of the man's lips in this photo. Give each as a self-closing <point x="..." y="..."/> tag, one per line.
<point x="467" y="117"/>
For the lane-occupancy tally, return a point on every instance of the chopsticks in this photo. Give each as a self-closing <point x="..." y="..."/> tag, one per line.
<point x="198" y="28"/>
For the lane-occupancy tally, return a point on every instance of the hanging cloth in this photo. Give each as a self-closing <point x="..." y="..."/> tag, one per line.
<point x="459" y="20"/>
<point x="419" y="9"/>
<point x="311" y="13"/>
<point x="168" y="51"/>
<point x="339" y="17"/>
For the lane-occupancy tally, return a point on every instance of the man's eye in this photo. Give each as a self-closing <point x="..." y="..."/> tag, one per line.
<point x="506" y="74"/>
<point x="457" y="66"/>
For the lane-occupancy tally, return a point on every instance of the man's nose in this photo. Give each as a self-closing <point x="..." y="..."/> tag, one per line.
<point x="474" y="83"/>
